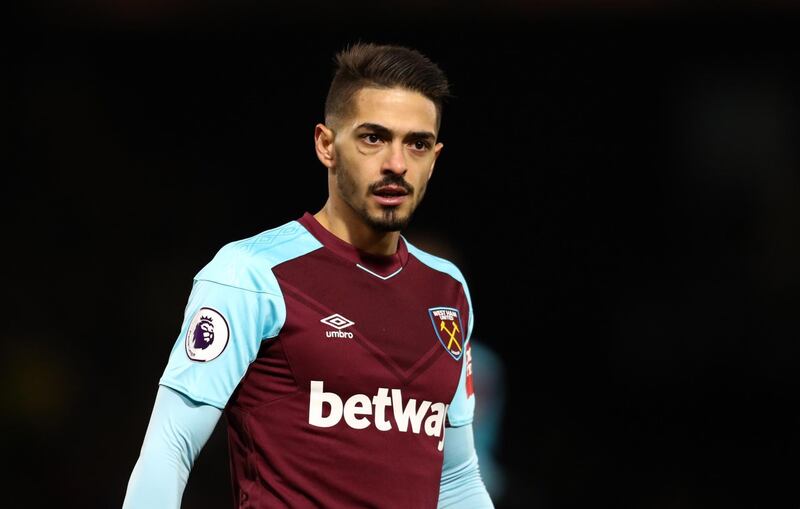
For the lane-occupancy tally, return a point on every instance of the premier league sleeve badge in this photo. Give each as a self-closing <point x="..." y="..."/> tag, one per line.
<point x="207" y="336"/>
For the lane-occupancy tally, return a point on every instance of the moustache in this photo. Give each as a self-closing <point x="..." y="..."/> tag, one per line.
<point x="392" y="180"/>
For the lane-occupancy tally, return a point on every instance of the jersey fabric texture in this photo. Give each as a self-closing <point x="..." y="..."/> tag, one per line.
<point x="336" y="369"/>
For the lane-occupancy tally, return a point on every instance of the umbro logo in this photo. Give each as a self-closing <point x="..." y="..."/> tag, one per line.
<point x="338" y="322"/>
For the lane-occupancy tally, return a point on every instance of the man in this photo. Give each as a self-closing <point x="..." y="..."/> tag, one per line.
<point x="337" y="351"/>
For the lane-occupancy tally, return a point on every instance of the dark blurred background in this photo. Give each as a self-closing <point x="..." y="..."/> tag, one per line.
<point x="620" y="183"/>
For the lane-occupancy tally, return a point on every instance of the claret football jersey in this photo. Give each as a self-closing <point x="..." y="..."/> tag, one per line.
<point x="337" y="370"/>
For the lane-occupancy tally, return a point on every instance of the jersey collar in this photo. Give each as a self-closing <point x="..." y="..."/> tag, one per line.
<point x="381" y="266"/>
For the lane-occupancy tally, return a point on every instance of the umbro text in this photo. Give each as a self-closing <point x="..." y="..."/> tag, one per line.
<point x="338" y="334"/>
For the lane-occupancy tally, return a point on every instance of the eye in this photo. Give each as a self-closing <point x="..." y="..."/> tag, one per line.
<point x="371" y="138"/>
<point x="421" y="145"/>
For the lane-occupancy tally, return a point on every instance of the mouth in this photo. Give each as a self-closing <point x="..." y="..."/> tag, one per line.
<point x="390" y="195"/>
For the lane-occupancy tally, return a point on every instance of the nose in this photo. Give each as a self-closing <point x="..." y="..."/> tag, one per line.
<point x="395" y="161"/>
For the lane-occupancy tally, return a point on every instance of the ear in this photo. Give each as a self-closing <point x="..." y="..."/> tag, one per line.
<point x="323" y="143"/>
<point x="437" y="149"/>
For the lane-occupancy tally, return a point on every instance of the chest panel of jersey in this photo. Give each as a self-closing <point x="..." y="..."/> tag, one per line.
<point x="394" y="347"/>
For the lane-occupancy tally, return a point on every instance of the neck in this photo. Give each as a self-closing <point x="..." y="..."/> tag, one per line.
<point x="349" y="227"/>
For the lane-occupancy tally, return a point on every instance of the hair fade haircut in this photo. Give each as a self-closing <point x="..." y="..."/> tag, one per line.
<point x="368" y="65"/>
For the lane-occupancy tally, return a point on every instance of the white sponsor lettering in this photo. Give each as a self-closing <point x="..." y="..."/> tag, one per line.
<point x="338" y="334"/>
<point x="359" y="404"/>
<point x="380" y="402"/>
<point x="356" y="409"/>
<point x="403" y="414"/>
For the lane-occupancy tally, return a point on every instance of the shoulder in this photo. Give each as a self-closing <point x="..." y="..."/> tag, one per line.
<point x="436" y="263"/>
<point x="248" y="263"/>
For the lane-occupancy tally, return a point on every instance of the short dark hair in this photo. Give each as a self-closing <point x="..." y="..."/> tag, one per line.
<point x="365" y="65"/>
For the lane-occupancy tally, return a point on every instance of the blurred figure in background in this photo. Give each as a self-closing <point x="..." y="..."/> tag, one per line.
<point x="489" y="409"/>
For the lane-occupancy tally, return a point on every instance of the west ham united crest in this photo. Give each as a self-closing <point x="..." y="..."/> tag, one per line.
<point x="447" y="324"/>
<point x="207" y="336"/>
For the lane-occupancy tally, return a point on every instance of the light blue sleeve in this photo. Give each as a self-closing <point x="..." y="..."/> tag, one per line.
<point x="461" y="484"/>
<point x="237" y="320"/>
<point x="235" y="303"/>
<point x="178" y="430"/>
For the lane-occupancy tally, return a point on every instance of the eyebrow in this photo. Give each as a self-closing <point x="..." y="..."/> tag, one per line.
<point x="386" y="132"/>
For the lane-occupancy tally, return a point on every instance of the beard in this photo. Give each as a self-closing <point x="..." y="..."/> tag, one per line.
<point x="389" y="219"/>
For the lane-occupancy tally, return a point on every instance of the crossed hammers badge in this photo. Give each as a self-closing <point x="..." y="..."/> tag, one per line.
<point x="448" y="328"/>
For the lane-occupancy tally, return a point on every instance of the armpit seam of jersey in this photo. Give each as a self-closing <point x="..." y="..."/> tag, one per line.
<point x="298" y="389"/>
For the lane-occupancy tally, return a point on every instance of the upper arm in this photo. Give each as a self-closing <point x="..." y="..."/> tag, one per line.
<point x="222" y="330"/>
<point x="462" y="407"/>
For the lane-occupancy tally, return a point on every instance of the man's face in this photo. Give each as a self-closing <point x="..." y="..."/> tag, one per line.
<point x="384" y="155"/>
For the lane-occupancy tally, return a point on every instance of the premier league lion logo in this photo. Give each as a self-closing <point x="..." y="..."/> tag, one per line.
<point x="207" y="336"/>
<point x="204" y="333"/>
